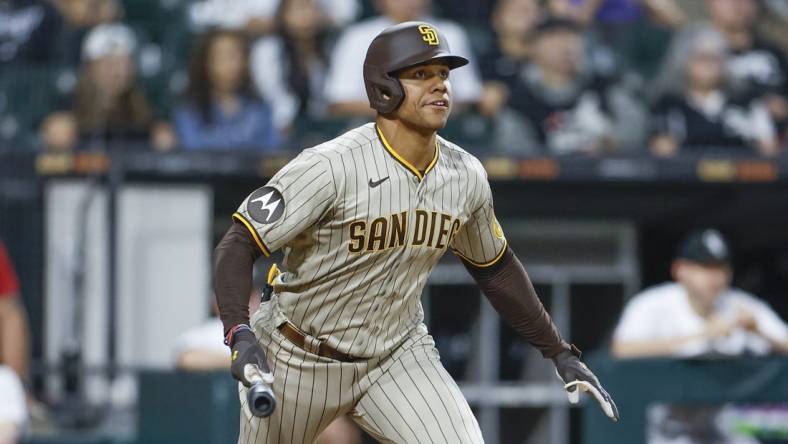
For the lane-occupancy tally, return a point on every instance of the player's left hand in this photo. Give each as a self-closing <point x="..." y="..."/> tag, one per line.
<point x="246" y="350"/>
<point x="577" y="377"/>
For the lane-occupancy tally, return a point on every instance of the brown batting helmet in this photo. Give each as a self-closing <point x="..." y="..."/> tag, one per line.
<point x="398" y="47"/>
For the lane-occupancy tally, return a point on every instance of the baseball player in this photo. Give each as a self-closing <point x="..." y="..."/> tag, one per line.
<point x="362" y="220"/>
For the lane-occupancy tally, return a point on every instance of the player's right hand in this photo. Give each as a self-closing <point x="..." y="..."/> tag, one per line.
<point x="246" y="350"/>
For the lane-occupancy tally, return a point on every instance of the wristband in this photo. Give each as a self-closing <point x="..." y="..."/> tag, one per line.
<point x="228" y="338"/>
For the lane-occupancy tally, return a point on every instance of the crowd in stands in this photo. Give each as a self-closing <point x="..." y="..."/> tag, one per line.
<point x="546" y="76"/>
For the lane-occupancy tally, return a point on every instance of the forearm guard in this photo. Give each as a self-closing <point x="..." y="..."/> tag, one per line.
<point x="232" y="275"/>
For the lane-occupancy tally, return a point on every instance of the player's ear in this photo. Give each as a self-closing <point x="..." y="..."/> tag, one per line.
<point x="676" y="268"/>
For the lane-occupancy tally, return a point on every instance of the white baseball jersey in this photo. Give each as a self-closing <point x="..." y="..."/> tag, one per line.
<point x="664" y="312"/>
<point x="361" y="230"/>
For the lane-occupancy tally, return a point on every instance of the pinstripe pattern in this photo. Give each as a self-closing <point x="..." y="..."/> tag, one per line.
<point x="361" y="230"/>
<point x="404" y="397"/>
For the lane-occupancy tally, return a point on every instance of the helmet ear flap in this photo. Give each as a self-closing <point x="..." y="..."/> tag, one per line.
<point x="387" y="94"/>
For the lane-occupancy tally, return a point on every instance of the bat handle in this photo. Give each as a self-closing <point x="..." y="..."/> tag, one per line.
<point x="260" y="398"/>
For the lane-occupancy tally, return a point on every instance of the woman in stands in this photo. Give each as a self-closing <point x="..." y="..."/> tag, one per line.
<point x="290" y="66"/>
<point x="108" y="104"/>
<point x="221" y="110"/>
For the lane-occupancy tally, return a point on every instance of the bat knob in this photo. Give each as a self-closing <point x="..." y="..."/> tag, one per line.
<point x="261" y="400"/>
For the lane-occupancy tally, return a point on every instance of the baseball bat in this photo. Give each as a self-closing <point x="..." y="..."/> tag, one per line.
<point x="260" y="398"/>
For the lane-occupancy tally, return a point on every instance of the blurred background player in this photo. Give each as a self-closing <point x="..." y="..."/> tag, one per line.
<point x="699" y="314"/>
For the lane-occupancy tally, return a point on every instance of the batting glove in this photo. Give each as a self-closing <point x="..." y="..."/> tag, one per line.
<point x="246" y="350"/>
<point x="577" y="377"/>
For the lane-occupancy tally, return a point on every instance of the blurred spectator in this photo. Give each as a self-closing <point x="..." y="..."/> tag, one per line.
<point x="203" y="347"/>
<point x="700" y="112"/>
<point x="80" y="16"/>
<point x="59" y="131"/>
<point x="561" y="104"/>
<point x="345" y="91"/>
<point x="108" y="104"/>
<point x="289" y="68"/>
<point x="608" y="14"/>
<point x="699" y="314"/>
<point x="771" y="23"/>
<point x="756" y="67"/>
<point x="513" y="23"/>
<point x="735" y="20"/>
<point x="469" y="13"/>
<point x="28" y="31"/>
<point x="14" y="353"/>
<point x="89" y="13"/>
<point x="257" y="17"/>
<point x="638" y="31"/>
<point x="222" y="110"/>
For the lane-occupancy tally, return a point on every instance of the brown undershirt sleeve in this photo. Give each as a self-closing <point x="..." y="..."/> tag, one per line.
<point x="232" y="275"/>
<point x="510" y="291"/>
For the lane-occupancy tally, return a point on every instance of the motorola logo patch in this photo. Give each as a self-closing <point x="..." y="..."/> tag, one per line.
<point x="266" y="205"/>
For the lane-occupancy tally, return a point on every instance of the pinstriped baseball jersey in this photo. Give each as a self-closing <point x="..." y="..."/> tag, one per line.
<point x="361" y="229"/>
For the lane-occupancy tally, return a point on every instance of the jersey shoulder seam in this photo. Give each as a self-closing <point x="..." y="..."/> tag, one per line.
<point x="454" y="148"/>
<point x="342" y="143"/>
<point x="336" y="148"/>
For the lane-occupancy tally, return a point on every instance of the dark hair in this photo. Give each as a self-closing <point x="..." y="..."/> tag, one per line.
<point x="296" y="74"/>
<point x="552" y="23"/>
<point x="129" y="116"/>
<point x="198" y="93"/>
